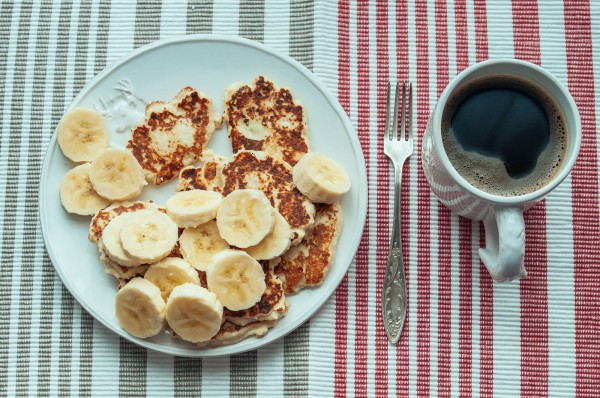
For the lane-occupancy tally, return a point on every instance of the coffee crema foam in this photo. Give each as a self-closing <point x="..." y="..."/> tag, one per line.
<point x="488" y="173"/>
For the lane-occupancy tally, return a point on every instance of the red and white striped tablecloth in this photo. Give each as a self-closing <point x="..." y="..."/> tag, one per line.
<point x="465" y="335"/>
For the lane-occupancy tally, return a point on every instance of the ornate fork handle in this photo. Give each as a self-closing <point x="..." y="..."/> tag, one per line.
<point x="398" y="148"/>
<point x="394" y="303"/>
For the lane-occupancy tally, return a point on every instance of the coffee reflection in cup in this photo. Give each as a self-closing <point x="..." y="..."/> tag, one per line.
<point x="504" y="135"/>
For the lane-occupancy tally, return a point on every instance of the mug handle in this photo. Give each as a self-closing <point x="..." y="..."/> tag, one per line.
<point x="505" y="243"/>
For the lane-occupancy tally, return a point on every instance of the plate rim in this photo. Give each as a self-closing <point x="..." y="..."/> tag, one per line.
<point x="321" y="298"/>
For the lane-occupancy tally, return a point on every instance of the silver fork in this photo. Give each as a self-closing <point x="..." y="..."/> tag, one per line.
<point x="398" y="149"/>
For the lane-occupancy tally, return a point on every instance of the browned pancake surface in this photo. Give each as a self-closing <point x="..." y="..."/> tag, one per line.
<point x="276" y="112"/>
<point x="308" y="263"/>
<point x="230" y="333"/>
<point x="173" y="134"/>
<point x="254" y="170"/>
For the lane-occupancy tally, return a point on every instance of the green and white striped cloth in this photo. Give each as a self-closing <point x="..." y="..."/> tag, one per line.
<point x="49" y="345"/>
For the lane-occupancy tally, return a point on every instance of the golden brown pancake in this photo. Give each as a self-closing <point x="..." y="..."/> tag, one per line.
<point x="265" y="118"/>
<point x="173" y="134"/>
<point x="254" y="170"/>
<point x="308" y="263"/>
<point x="231" y="333"/>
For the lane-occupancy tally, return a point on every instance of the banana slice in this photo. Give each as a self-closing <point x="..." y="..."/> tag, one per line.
<point x="237" y="279"/>
<point x="275" y="243"/>
<point x="111" y="241"/>
<point x="245" y="217"/>
<point x="192" y="208"/>
<point x="140" y="309"/>
<point x="148" y="235"/>
<point x="169" y="273"/>
<point x="319" y="178"/>
<point x="199" y="245"/>
<point x="82" y="135"/>
<point x="77" y="194"/>
<point x="194" y="313"/>
<point x="116" y="175"/>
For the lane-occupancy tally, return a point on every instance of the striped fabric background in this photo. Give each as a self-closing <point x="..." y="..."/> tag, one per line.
<point x="465" y="335"/>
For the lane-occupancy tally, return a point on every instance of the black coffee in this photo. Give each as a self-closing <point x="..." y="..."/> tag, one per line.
<point x="505" y="136"/>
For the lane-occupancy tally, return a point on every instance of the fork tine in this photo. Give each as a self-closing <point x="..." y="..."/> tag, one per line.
<point x="387" y="134"/>
<point x="394" y="132"/>
<point x="410" y="112"/>
<point x="403" y="119"/>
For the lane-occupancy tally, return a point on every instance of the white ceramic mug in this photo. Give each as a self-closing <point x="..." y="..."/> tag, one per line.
<point x="502" y="215"/>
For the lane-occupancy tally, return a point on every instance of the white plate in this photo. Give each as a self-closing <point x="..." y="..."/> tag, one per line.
<point x="157" y="72"/>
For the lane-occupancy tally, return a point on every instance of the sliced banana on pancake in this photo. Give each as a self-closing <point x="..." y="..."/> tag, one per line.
<point x="140" y="308"/>
<point x="82" y="135"/>
<point x="237" y="279"/>
<point x="104" y="216"/>
<point x="198" y="245"/>
<point x="77" y="195"/>
<point x="194" y="313"/>
<point x="148" y="235"/>
<point x="116" y="175"/>
<point x="111" y="240"/>
<point x="275" y="243"/>
<point x="319" y="178"/>
<point x="169" y="273"/>
<point x="245" y="217"/>
<point x="192" y="208"/>
<point x="254" y="170"/>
